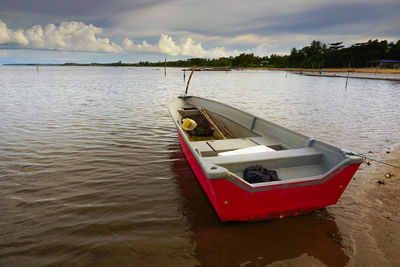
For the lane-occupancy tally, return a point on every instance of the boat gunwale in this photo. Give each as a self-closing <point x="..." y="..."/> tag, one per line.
<point x="286" y="183"/>
<point x="250" y="115"/>
<point x="220" y="172"/>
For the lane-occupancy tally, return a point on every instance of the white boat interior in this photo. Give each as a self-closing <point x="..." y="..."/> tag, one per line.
<point x="251" y="141"/>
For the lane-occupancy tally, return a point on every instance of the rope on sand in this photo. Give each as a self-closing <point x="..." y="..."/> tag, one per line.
<point x="368" y="158"/>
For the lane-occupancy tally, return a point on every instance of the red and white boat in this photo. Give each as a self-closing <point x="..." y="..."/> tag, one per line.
<point x="226" y="141"/>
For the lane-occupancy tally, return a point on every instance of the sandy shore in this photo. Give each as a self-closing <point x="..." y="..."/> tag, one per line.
<point x="358" y="70"/>
<point x="373" y="233"/>
<point x="359" y="75"/>
<point x="382" y="209"/>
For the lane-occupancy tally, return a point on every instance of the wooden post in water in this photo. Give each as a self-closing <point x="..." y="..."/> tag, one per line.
<point x="348" y="73"/>
<point x="37" y="69"/>
<point x="184" y="75"/>
<point x="165" y="67"/>
<point x="347" y="78"/>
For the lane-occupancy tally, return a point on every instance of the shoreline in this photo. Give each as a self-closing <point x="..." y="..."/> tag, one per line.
<point x="358" y="75"/>
<point x="382" y="210"/>
<point x="379" y="211"/>
<point x="331" y="70"/>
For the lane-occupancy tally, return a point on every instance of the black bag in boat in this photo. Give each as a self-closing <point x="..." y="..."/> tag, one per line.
<point x="258" y="174"/>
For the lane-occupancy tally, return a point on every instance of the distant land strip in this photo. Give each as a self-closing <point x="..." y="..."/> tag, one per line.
<point x="371" y="56"/>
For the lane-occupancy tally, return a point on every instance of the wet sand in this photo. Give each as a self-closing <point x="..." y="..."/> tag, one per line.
<point x="382" y="208"/>
<point x="372" y="236"/>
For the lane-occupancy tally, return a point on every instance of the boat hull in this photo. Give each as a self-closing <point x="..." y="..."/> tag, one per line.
<point x="233" y="203"/>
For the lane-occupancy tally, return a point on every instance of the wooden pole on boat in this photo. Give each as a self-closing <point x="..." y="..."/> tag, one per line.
<point x="202" y="110"/>
<point x="190" y="77"/>
<point x="222" y="125"/>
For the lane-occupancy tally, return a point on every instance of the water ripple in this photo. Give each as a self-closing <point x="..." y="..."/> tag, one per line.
<point x="91" y="172"/>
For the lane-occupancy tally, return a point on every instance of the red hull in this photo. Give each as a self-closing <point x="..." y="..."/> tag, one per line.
<point x="232" y="203"/>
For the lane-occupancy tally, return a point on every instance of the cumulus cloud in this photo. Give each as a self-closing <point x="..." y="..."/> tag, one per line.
<point x="78" y="36"/>
<point x="168" y="46"/>
<point x="69" y="35"/>
<point x="187" y="47"/>
<point x="128" y="46"/>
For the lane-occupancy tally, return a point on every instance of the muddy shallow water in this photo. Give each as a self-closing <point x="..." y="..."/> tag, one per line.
<point x="91" y="172"/>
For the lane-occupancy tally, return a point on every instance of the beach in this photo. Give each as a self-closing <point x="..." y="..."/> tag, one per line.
<point x="360" y="73"/>
<point x="388" y="76"/>
<point x="382" y="207"/>
<point x="336" y="70"/>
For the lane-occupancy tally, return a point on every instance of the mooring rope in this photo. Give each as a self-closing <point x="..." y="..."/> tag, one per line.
<point x="365" y="157"/>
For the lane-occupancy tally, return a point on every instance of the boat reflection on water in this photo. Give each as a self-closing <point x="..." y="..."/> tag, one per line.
<point x="313" y="238"/>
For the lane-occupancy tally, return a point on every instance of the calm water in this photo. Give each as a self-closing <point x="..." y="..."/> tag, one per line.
<point x="91" y="172"/>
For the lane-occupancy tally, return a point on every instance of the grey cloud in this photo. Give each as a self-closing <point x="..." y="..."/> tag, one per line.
<point x="234" y="24"/>
<point x="214" y="18"/>
<point x="343" y="18"/>
<point x="99" y="12"/>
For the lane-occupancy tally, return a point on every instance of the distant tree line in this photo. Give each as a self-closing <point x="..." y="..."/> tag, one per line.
<point x="316" y="55"/>
<point x="115" y="64"/>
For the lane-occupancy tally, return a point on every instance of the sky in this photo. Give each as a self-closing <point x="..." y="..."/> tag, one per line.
<point x="85" y="31"/>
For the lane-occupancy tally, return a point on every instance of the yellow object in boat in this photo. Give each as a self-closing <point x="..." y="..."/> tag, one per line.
<point x="189" y="124"/>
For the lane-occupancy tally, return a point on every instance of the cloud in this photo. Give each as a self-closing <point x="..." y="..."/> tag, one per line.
<point x="129" y="46"/>
<point x="69" y="35"/>
<point x="168" y="46"/>
<point x="187" y="47"/>
<point x="78" y="36"/>
<point x="193" y="28"/>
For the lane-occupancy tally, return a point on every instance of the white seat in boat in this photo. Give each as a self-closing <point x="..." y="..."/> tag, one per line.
<point x="274" y="159"/>
<point x="247" y="150"/>
<point x="213" y="147"/>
